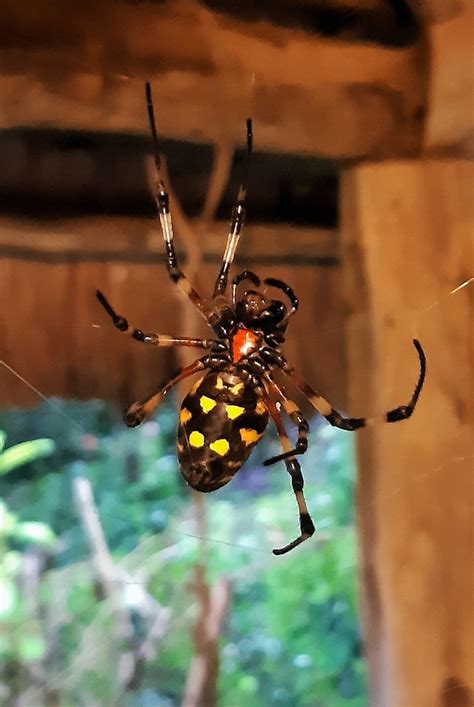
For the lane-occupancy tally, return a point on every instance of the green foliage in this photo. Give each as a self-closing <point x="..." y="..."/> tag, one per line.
<point x="21" y="641"/>
<point x="24" y="453"/>
<point x="292" y="635"/>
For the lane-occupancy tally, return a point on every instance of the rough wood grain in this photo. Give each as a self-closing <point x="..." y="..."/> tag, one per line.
<point x="450" y="118"/>
<point x="306" y="94"/>
<point x="139" y="240"/>
<point x="407" y="235"/>
<point x="54" y="333"/>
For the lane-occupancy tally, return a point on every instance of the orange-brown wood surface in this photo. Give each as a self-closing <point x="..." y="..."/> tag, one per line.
<point x="55" y="334"/>
<point x="407" y="235"/>
<point x="307" y="93"/>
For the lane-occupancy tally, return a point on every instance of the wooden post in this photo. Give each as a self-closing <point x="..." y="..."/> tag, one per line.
<point x="450" y="119"/>
<point x="407" y="240"/>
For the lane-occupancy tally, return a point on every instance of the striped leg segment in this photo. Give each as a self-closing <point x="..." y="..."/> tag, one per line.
<point x="160" y="340"/>
<point x="244" y="275"/>
<point x="292" y="465"/>
<point x="402" y="412"/>
<point x="236" y="224"/>
<point x="296" y="416"/>
<point x="162" y="202"/>
<point x="137" y="412"/>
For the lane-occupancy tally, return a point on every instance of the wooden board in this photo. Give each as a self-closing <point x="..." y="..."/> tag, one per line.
<point x="55" y="334"/>
<point x="139" y="240"/>
<point x="306" y="94"/>
<point x="407" y="237"/>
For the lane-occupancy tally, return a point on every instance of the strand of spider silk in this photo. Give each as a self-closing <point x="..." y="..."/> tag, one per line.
<point x="47" y="400"/>
<point x="418" y="315"/>
<point x="65" y="672"/>
<point x="412" y="314"/>
<point x="394" y="493"/>
<point x="58" y="409"/>
<point x="444" y="297"/>
<point x="176" y="623"/>
<point x="83" y="431"/>
<point x="415" y="477"/>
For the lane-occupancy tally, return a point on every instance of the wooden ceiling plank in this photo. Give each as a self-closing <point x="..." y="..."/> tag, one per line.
<point x="139" y="239"/>
<point x="307" y="94"/>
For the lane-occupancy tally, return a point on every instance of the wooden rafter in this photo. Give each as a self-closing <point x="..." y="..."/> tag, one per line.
<point x="139" y="240"/>
<point x="307" y="94"/>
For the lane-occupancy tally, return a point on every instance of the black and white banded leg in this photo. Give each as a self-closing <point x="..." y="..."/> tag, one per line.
<point x="335" y="418"/>
<point x="241" y="277"/>
<point x="297" y="418"/>
<point x="236" y="225"/>
<point x="307" y="528"/>
<point x="162" y="203"/>
<point x="137" y="412"/>
<point x="159" y="340"/>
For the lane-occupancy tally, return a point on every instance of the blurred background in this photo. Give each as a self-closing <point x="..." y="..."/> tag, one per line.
<point x="118" y="586"/>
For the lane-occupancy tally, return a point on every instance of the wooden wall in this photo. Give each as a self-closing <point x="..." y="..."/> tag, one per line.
<point x="55" y="334"/>
<point x="407" y="229"/>
<point x="399" y="121"/>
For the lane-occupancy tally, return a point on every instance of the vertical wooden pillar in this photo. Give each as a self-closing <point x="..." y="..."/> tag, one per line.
<point x="408" y="230"/>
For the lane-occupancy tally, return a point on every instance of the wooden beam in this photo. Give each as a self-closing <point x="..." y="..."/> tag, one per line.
<point x="139" y="240"/>
<point x="415" y="486"/>
<point x="307" y="94"/>
<point x="449" y="29"/>
<point x="55" y="335"/>
<point x="450" y="121"/>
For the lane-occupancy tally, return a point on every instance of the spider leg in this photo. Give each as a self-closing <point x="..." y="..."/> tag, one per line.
<point x="292" y="465"/>
<point x="137" y="412"/>
<point x="402" y="412"/>
<point x="236" y="224"/>
<point x="273" y="282"/>
<point x="162" y="202"/>
<point x="244" y="275"/>
<point x="160" y="340"/>
<point x="296" y="416"/>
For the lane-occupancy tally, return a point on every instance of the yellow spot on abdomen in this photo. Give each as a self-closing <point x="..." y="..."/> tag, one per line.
<point x="249" y="436"/>
<point x="219" y="383"/>
<point x="234" y="411"/>
<point x="236" y="388"/>
<point x="196" y="439"/>
<point x="206" y="403"/>
<point x="260" y="408"/>
<point x="184" y="415"/>
<point x="220" y="446"/>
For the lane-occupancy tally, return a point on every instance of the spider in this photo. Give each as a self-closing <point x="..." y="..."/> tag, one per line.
<point x="227" y="410"/>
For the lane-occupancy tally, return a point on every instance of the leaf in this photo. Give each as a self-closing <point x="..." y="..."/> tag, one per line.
<point x="11" y="564"/>
<point x="38" y="533"/>
<point x="31" y="647"/>
<point x="6" y="646"/>
<point x="3" y="437"/>
<point x="8" y="597"/>
<point x="8" y="521"/>
<point x="24" y="453"/>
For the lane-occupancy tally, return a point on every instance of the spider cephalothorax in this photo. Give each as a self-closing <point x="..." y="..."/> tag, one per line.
<point x="257" y="311"/>
<point x="226" y="412"/>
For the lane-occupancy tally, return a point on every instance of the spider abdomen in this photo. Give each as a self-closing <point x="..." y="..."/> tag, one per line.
<point x="221" y="420"/>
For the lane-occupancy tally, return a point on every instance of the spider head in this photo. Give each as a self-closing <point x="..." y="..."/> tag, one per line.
<point x="256" y="311"/>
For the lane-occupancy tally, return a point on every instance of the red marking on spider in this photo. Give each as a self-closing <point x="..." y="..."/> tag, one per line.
<point x="243" y="343"/>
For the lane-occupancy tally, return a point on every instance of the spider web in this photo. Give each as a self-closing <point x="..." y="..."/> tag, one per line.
<point x="414" y="324"/>
<point x="91" y="645"/>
